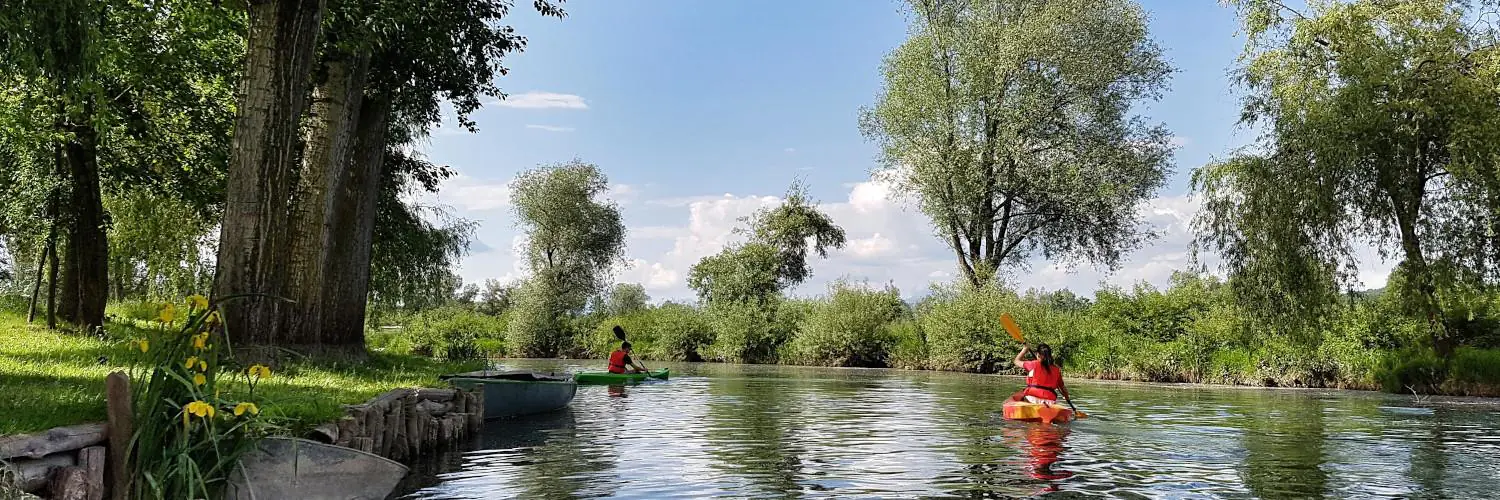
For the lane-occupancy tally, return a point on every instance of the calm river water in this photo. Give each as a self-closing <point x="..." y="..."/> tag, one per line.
<point x="786" y="432"/>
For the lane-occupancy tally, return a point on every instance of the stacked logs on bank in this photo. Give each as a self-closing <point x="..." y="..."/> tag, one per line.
<point x="405" y="423"/>
<point x="65" y="462"/>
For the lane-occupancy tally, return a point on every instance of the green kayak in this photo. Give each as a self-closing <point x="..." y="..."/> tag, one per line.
<point x="607" y="378"/>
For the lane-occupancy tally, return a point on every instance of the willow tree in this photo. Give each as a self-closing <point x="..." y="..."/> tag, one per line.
<point x="1010" y="122"/>
<point x="574" y="239"/>
<point x="774" y="258"/>
<point x="1381" y="125"/>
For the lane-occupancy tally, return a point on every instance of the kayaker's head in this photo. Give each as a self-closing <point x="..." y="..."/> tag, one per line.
<point x="625" y="346"/>
<point x="1044" y="353"/>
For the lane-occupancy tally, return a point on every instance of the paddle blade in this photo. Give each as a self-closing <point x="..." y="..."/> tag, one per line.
<point x="1080" y="414"/>
<point x="619" y="332"/>
<point x="1010" y="326"/>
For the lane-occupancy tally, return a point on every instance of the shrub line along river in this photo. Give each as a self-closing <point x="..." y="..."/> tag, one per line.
<point x="758" y="431"/>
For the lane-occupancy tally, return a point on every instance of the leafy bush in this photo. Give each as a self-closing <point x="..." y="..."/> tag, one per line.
<point x="909" y="350"/>
<point x="743" y="332"/>
<point x="1476" y="367"/>
<point x="682" y="332"/>
<point x="448" y="332"/>
<point x="537" y="327"/>
<point x="963" y="329"/>
<point x="1411" y="370"/>
<point x="850" y="328"/>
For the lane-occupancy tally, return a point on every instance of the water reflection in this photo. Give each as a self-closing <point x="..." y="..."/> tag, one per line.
<point x="780" y="432"/>
<point x="751" y="423"/>
<point x="1284" y="439"/>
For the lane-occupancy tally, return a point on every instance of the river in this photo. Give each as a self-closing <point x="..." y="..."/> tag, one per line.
<point x="735" y="431"/>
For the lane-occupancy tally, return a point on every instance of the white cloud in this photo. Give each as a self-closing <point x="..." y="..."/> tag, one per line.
<point x="1178" y="141"/>
<point x="789" y="150"/>
<point x="888" y="242"/>
<point x="550" y="128"/>
<point x="474" y="195"/>
<point x="543" y="100"/>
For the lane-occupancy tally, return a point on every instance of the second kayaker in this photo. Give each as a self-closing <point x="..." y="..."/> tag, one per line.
<point x="1044" y="379"/>
<point x="620" y="361"/>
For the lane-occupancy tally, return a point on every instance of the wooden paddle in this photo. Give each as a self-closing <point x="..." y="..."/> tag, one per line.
<point x="1011" y="327"/>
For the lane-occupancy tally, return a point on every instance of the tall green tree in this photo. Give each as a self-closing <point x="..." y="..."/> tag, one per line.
<point x="1381" y="125"/>
<point x="774" y="258"/>
<point x="1010" y="122"/>
<point x="420" y="55"/>
<point x="574" y="239"/>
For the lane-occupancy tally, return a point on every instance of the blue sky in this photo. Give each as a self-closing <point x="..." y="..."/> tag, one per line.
<point x="702" y="111"/>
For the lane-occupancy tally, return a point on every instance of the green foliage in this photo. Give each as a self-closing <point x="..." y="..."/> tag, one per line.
<point x="1010" y="123"/>
<point x="190" y="433"/>
<point x="852" y="327"/>
<point x="775" y="257"/>
<point x="1476" y="368"/>
<point x="448" y="332"/>
<point x="1409" y="371"/>
<point x="744" y="273"/>
<point x="539" y="326"/>
<point x="622" y="299"/>
<point x="682" y="333"/>
<point x="743" y="332"/>
<point x="789" y="227"/>
<point x="909" y="352"/>
<point x="963" y="330"/>
<point x="1380" y="128"/>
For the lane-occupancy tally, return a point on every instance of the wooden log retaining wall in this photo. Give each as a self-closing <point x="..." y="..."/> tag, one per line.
<point x="83" y="462"/>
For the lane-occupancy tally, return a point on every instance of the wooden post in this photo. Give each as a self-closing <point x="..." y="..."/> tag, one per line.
<point x="479" y="405"/>
<point x="395" y="428"/>
<point x="476" y="411"/>
<point x="375" y="429"/>
<point x="432" y="430"/>
<point x="93" y="461"/>
<point x="413" y="427"/>
<point x="348" y="429"/>
<point x="69" y="483"/>
<point x="121" y="430"/>
<point x="460" y="402"/>
<point x="363" y="444"/>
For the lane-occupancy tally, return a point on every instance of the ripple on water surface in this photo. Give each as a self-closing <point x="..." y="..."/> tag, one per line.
<point x="784" y="432"/>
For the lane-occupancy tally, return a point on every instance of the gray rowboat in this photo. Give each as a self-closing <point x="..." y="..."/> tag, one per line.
<point x="298" y="468"/>
<point x="515" y="393"/>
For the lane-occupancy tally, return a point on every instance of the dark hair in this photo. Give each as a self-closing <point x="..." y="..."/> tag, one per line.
<point x="1044" y="353"/>
<point x="624" y="345"/>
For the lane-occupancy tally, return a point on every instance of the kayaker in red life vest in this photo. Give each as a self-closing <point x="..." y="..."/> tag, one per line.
<point x="1043" y="376"/>
<point x="620" y="361"/>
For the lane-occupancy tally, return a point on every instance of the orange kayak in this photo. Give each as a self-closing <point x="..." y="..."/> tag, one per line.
<point x="1017" y="408"/>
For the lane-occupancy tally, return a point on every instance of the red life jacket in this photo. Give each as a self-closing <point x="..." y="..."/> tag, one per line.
<point x="1042" y="382"/>
<point x="617" y="361"/>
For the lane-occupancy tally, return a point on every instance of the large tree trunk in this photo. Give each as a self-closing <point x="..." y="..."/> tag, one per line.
<point x="353" y="228"/>
<point x="280" y="49"/>
<point x="86" y="269"/>
<point x="330" y="143"/>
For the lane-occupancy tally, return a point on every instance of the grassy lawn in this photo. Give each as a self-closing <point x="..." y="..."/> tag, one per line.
<point x="48" y="379"/>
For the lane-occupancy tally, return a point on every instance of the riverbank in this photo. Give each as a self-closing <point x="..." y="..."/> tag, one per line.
<point x="51" y="379"/>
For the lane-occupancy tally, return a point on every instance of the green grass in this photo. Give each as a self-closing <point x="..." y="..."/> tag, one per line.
<point x="51" y="379"/>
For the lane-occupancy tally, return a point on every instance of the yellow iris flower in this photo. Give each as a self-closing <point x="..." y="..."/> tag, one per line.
<point x="197" y="302"/>
<point x="241" y="408"/>
<point x="260" y="372"/>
